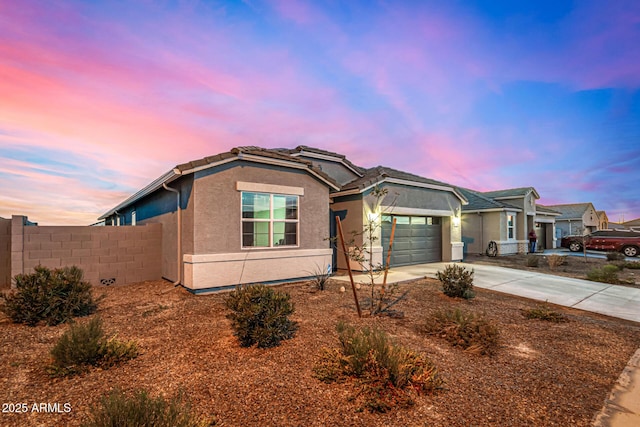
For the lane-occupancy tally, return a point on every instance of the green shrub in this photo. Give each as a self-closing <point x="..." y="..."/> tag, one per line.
<point x="260" y="315"/>
<point x="615" y="256"/>
<point x="544" y="312"/>
<point x="606" y="274"/>
<point x="85" y="345"/>
<point x="320" y="277"/>
<point x="385" y="372"/>
<point x="475" y="334"/>
<point x="141" y="410"/>
<point x="532" y="260"/>
<point x="456" y="281"/>
<point x="49" y="296"/>
<point x="556" y="261"/>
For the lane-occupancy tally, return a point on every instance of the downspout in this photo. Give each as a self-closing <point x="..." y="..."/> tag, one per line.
<point x="173" y="190"/>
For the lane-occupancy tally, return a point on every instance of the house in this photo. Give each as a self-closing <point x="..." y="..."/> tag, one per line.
<point x="247" y="215"/>
<point x="634" y="224"/>
<point x="427" y="212"/>
<point x="576" y="218"/>
<point x="603" y="220"/>
<point x="264" y="215"/>
<point x="505" y="217"/>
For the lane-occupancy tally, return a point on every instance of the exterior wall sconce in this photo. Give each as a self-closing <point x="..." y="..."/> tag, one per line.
<point x="456" y="217"/>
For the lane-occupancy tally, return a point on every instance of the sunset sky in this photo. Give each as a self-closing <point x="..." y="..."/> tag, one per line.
<point x="99" y="98"/>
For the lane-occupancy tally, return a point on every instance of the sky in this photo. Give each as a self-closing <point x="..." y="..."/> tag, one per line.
<point x="99" y="98"/>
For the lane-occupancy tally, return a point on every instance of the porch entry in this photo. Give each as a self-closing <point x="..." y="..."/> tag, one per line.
<point x="417" y="240"/>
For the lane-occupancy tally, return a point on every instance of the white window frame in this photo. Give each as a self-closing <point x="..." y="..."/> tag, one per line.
<point x="511" y="227"/>
<point x="133" y="217"/>
<point x="270" y="221"/>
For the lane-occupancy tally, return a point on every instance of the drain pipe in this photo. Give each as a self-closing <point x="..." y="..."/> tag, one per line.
<point x="173" y="190"/>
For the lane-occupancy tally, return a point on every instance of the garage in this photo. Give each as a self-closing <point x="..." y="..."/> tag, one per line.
<point x="417" y="240"/>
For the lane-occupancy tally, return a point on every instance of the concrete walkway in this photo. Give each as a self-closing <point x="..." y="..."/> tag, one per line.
<point x="622" y="408"/>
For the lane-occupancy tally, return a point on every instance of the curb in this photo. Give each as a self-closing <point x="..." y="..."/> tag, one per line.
<point x="622" y="407"/>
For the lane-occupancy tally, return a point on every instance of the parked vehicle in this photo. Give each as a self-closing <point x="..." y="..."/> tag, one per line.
<point x="627" y="242"/>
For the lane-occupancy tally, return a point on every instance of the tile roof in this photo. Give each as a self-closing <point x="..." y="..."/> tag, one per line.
<point x="511" y="193"/>
<point x="570" y="211"/>
<point x="480" y="201"/>
<point x="342" y="157"/>
<point x="379" y="173"/>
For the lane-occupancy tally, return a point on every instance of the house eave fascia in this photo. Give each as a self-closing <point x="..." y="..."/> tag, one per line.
<point x="155" y="185"/>
<point x="477" y="211"/>
<point x="399" y="181"/>
<point x="327" y="158"/>
<point x="175" y="172"/>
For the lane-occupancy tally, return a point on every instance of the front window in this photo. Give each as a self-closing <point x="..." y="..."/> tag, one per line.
<point x="269" y="220"/>
<point x="510" y="226"/>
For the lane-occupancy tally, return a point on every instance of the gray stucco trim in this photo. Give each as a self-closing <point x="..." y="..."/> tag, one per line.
<point x="389" y="180"/>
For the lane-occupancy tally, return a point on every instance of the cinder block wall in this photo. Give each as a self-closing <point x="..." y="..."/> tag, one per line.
<point x="107" y="255"/>
<point x="5" y="252"/>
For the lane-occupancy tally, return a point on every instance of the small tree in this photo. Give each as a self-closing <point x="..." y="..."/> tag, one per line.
<point x="382" y="297"/>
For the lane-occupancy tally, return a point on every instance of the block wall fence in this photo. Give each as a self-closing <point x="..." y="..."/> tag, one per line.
<point x="107" y="255"/>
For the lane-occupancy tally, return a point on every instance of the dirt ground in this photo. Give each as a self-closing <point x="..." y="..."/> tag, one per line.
<point x="576" y="266"/>
<point x="544" y="374"/>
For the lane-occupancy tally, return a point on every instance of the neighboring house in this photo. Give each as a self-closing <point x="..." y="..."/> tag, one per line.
<point x="603" y="220"/>
<point x="634" y="224"/>
<point x="505" y="217"/>
<point x="576" y="218"/>
<point x="264" y="215"/>
<point x="248" y="215"/>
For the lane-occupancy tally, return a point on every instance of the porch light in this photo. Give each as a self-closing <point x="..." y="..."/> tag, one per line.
<point x="373" y="216"/>
<point x="456" y="217"/>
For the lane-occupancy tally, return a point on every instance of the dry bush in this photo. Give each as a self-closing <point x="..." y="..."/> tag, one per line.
<point x="386" y="373"/>
<point x="556" y="261"/>
<point x="475" y="334"/>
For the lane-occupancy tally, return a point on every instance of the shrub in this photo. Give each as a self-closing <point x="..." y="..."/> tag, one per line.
<point x="532" y="260"/>
<point x="320" y="277"/>
<point x="85" y="345"/>
<point x="556" y="261"/>
<point x="634" y="265"/>
<point x="544" y="312"/>
<point x="386" y="372"/>
<point x="615" y="256"/>
<point x="49" y="296"/>
<point x="260" y="315"/>
<point x="475" y="334"/>
<point x="456" y="281"/>
<point x="116" y="409"/>
<point x="606" y="274"/>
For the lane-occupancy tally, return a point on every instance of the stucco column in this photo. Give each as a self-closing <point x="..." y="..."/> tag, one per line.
<point x="17" y="245"/>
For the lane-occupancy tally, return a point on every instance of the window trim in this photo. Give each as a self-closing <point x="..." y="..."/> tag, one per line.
<point x="270" y="221"/>
<point x="511" y="227"/>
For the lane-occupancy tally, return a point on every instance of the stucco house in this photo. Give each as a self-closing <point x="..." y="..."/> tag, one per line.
<point x="427" y="212"/>
<point x="505" y="217"/>
<point x="264" y="215"/>
<point x="603" y="220"/>
<point x="575" y="218"/>
<point x="248" y="215"/>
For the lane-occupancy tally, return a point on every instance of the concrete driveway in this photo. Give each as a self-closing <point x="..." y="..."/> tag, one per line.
<point x="611" y="300"/>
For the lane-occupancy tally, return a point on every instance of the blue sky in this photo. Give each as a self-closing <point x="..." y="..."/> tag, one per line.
<point x="97" y="99"/>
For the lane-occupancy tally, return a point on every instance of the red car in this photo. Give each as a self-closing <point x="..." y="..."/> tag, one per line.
<point x="627" y="242"/>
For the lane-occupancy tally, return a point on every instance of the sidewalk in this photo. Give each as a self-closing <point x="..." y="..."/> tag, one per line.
<point x="622" y="408"/>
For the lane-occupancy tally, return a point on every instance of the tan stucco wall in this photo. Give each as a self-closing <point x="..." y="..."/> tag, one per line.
<point x="352" y="223"/>
<point x="217" y="207"/>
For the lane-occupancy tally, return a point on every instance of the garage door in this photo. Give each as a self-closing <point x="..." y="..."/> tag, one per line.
<point x="417" y="240"/>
